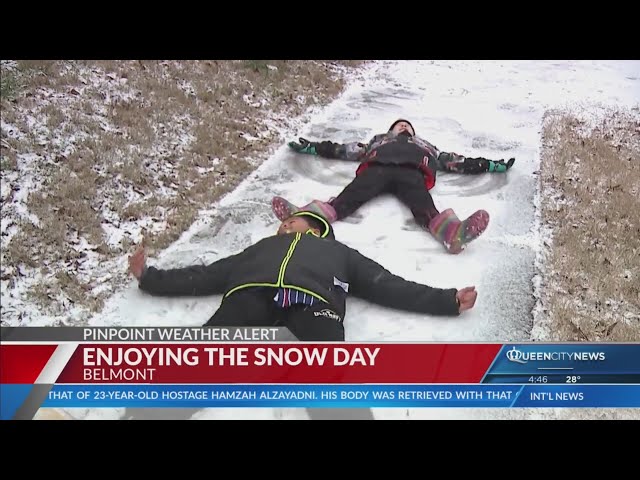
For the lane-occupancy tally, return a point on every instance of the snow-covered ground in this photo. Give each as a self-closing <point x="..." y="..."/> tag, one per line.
<point x="477" y="108"/>
<point x="94" y="156"/>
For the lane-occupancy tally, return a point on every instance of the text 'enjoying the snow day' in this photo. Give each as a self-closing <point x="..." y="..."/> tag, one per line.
<point x="228" y="356"/>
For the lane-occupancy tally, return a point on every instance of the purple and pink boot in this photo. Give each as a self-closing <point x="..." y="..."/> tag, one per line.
<point x="454" y="234"/>
<point x="283" y="209"/>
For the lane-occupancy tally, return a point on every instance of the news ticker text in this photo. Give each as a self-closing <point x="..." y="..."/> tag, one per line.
<point x="343" y="396"/>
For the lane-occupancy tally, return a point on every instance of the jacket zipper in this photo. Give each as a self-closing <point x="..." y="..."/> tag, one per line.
<point x="283" y="266"/>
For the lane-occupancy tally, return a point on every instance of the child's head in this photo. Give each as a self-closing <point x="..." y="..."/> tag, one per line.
<point x="306" y="222"/>
<point x="401" y="126"/>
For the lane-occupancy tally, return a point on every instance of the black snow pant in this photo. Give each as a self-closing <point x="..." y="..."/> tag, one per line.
<point x="255" y="307"/>
<point x="405" y="182"/>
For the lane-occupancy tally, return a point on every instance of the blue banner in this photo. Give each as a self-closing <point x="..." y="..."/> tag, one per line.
<point x="566" y="363"/>
<point x="343" y="396"/>
<point x="566" y="378"/>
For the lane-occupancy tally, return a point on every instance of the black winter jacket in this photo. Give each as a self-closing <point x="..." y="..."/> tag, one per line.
<point x="322" y="267"/>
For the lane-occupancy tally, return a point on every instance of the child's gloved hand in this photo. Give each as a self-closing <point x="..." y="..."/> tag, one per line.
<point x="304" y="146"/>
<point x="500" y="166"/>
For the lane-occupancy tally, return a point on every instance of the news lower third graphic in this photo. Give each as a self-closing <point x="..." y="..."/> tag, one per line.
<point x="234" y="368"/>
<point x="574" y="363"/>
<point x="342" y="396"/>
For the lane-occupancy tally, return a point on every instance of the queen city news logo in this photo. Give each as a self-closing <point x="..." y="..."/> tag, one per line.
<point x="519" y="356"/>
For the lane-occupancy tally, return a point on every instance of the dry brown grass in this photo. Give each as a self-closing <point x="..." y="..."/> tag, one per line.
<point x="118" y="141"/>
<point x="591" y="200"/>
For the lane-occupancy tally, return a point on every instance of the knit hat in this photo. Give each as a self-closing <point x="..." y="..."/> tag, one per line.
<point x="326" y="231"/>
<point x="402" y="120"/>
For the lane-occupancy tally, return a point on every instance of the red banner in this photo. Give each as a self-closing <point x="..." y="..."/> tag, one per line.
<point x="279" y="363"/>
<point x="23" y="363"/>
